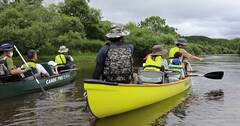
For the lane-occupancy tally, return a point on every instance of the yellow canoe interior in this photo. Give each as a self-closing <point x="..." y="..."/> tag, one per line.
<point x="107" y="100"/>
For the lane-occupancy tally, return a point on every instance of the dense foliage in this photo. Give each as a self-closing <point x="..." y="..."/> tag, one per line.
<point x="151" y="31"/>
<point x="201" y="45"/>
<point x="29" y="24"/>
<point x="75" y="24"/>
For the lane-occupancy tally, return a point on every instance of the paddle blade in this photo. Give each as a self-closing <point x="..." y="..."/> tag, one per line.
<point x="215" y="75"/>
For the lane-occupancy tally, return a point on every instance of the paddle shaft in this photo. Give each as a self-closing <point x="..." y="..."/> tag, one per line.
<point x="28" y="67"/>
<point x="196" y="75"/>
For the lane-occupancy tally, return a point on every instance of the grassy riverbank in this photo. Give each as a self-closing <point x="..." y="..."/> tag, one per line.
<point x="78" y="57"/>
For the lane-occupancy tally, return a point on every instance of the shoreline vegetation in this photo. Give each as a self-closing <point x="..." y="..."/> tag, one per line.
<point x="78" y="57"/>
<point x="30" y="25"/>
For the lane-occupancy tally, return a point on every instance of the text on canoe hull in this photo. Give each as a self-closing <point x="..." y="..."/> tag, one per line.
<point x="59" y="78"/>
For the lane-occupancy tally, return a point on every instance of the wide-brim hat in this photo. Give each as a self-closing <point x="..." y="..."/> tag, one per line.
<point x="117" y="31"/>
<point x="157" y="50"/>
<point x="6" y="47"/>
<point x="63" y="49"/>
<point x="181" y="41"/>
<point x="117" y="35"/>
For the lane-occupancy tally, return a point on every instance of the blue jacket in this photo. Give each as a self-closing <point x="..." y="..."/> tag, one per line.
<point x="101" y="57"/>
<point x="176" y="61"/>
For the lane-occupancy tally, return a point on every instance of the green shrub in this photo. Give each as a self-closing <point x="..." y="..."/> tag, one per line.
<point x="91" y="46"/>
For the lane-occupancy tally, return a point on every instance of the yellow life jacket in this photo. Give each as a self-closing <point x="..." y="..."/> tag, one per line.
<point x="173" y="51"/>
<point x="153" y="65"/>
<point x="60" y="59"/>
<point x="30" y="64"/>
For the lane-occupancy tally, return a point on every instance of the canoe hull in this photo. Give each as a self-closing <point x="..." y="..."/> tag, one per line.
<point x="108" y="100"/>
<point x="29" y="86"/>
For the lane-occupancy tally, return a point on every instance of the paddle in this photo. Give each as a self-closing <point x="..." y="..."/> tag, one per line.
<point x="211" y="75"/>
<point x="192" y="71"/>
<point x="31" y="70"/>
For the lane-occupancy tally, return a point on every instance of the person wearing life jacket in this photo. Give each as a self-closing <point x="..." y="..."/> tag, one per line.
<point x="114" y="61"/>
<point x="177" y="59"/>
<point x="156" y="60"/>
<point x="7" y="50"/>
<point x="32" y="63"/>
<point x="176" y="65"/>
<point x="180" y="47"/>
<point x="62" y="59"/>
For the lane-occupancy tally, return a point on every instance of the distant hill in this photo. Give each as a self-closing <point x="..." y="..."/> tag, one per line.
<point x="203" y="39"/>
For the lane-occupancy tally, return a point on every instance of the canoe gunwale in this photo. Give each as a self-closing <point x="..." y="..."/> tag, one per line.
<point x="93" y="81"/>
<point x="154" y="85"/>
<point x="22" y="81"/>
<point x="99" y="82"/>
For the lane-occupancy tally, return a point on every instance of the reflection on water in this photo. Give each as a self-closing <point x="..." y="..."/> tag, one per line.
<point x="54" y="110"/>
<point x="212" y="102"/>
<point x="151" y="114"/>
<point x="215" y="95"/>
<point x="61" y="106"/>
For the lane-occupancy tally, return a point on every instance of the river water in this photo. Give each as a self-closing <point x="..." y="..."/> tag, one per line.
<point x="210" y="103"/>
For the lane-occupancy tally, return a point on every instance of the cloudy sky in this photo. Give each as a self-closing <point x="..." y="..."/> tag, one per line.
<point x="212" y="18"/>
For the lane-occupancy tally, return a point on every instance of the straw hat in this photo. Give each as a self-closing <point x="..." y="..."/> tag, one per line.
<point x="157" y="50"/>
<point x="63" y="49"/>
<point x="117" y="31"/>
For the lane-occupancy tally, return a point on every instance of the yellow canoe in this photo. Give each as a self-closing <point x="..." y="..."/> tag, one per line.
<point x="107" y="99"/>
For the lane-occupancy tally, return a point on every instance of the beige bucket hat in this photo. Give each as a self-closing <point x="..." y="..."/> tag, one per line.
<point x="157" y="50"/>
<point x="63" y="49"/>
<point x="117" y="31"/>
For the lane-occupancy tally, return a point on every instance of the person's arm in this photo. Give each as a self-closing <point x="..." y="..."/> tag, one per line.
<point x="71" y="58"/>
<point x="16" y="71"/>
<point x="11" y="68"/>
<point x="55" y="70"/>
<point x="100" y="60"/>
<point x="190" y="56"/>
<point x="165" y="63"/>
<point x="132" y="48"/>
<point x="132" y="51"/>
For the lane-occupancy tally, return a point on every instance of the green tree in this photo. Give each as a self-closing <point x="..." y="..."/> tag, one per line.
<point x="153" y="30"/>
<point x="30" y="25"/>
<point x="157" y="24"/>
<point x="90" y="17"/>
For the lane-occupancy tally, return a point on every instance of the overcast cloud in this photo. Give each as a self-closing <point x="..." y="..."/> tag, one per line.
<point x="212" y="18"/>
